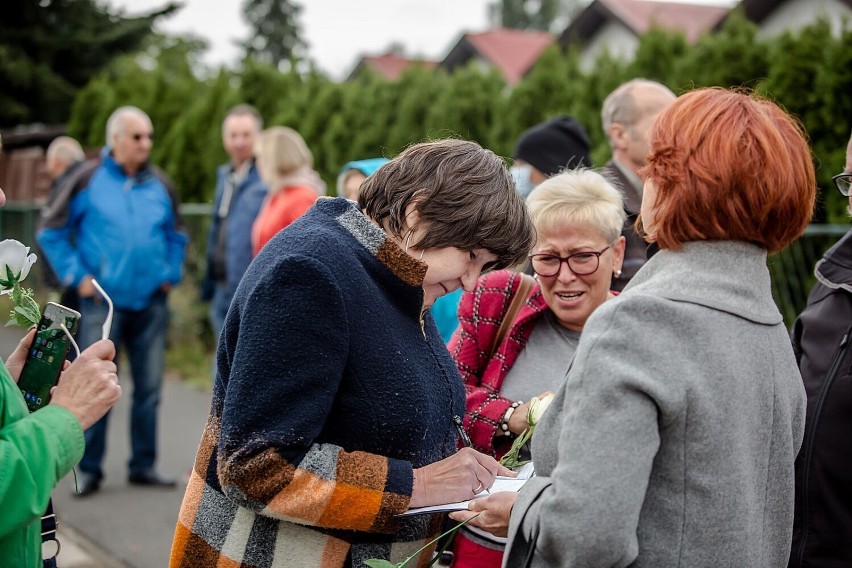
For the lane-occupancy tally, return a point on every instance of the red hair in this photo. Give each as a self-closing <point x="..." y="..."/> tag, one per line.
<point x="727" y="165"/>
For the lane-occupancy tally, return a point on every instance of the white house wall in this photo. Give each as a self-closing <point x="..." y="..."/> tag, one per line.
<point x="614" y="37"/>
<point x="796" y="14"/>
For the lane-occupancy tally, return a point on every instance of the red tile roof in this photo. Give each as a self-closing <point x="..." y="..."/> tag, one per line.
<point x="640" y="15"/>
<point x="692" y="19"/>
<point x="512" y="52"/>
<point x="390" y="65"/>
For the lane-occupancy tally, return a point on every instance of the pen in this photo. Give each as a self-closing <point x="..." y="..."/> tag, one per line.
<point x="465" y="439"/>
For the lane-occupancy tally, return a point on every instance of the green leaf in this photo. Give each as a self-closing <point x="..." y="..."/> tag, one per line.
<point x="28" y="302"/>
<point x="510" y="458"/>
<point x="379" y="563"/>
<point x="26" y="317"/>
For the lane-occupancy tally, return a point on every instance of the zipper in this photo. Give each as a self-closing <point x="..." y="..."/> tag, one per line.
<point x="811" y="434"/>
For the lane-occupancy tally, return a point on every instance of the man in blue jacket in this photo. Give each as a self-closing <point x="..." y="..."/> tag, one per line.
<point x="117" y="221"/>
<point x="239" y="196"/>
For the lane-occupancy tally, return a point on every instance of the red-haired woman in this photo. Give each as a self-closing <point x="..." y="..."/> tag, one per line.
<point x="675" y="435"/>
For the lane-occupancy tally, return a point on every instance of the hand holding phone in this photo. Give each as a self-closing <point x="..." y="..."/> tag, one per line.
<point x="46" y="355"/>
<point x="15" y="361"/>
<point x="89" y="387"/>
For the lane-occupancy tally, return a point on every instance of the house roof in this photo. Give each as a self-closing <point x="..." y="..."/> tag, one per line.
<point x="639" y="16"/>
<point x="511" y="52"/>
<point x="390" y="65"/>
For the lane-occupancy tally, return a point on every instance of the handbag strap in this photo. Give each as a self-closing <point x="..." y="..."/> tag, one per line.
<point x="524" y="286"/>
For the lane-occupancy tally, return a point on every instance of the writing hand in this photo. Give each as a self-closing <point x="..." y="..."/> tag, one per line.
<point x="456" y="478"/>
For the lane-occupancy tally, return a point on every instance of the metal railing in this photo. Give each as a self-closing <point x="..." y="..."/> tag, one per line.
<point x="18" y="221"/>
<point x="791" y="269"/>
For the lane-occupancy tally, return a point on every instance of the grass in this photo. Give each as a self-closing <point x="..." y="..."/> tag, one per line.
<point x="190" y="362"/>
<point x="189" y="352"/>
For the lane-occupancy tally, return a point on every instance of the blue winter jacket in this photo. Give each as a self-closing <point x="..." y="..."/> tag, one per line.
<point x="124" y="231"/>
<point x="245" y="205"/>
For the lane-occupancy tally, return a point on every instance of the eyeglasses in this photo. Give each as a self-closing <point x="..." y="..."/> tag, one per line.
<point x="580" y="263"/>
<point x="842" y="182"/>
<point x="137" y="137"/>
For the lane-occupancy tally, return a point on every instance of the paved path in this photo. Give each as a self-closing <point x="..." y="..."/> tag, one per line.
<point x="124" y="526"/>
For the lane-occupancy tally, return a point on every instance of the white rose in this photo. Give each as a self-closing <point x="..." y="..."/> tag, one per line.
<point x="15" y="262"/>
<point x="537" y="408"/>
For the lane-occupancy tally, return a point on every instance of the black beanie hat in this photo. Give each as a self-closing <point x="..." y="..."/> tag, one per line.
<point x="554" y="145"/>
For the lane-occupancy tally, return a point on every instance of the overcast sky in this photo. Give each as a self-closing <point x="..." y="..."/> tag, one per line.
<point x="337" y="31"/>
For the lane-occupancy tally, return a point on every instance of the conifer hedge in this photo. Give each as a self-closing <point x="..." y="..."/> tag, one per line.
<point x="809" y="73"/>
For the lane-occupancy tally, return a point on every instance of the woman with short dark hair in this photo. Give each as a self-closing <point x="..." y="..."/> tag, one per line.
<point x="334" y="405"/>
<point x="673" y="440"/>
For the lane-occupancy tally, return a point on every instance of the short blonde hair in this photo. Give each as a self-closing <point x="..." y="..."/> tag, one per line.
<point x="575" y="197"/>
<point x="281" y="151"/>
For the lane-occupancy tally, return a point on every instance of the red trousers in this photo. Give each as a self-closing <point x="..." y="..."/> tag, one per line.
<point x="469" y="554"/>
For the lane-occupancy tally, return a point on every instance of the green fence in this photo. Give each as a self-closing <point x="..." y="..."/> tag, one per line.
<point x="18" y="221"/>
<point x="791" y="269"/>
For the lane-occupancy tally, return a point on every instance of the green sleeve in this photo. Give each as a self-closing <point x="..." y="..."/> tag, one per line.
<point x="36" y="450"/>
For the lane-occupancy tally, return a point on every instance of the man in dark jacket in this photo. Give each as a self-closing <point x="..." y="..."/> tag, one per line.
<point x="64" y="155"/>
<point x="822" y="525"/>
<point x="62" y="162"/>
<point x="239" y="196"/>
<point x="627" y="114"/>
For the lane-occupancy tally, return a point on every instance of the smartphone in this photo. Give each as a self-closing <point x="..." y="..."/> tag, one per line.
<point x="47" y="354"/>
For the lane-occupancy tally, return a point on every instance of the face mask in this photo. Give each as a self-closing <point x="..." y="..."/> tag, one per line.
<point x="521" y="175"/>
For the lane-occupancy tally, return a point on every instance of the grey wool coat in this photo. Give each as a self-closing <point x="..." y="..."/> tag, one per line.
<point x="673" y="440"/>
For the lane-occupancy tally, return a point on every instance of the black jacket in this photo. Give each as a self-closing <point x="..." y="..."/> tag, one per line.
<point x="50" y="278"/>
<point x="634" y="252"/>
<point x="822" y="529"/>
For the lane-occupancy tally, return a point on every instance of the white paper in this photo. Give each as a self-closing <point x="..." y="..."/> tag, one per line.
<point x="501" y="484"/>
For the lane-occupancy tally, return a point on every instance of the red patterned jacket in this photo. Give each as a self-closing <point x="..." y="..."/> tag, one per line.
<point x="480" y="315"/>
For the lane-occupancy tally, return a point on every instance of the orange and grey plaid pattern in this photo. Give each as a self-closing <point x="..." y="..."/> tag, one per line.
<point x="281" y="527"/>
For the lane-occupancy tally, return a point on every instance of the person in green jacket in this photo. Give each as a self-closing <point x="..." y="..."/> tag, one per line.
<point x="38" y="449"/>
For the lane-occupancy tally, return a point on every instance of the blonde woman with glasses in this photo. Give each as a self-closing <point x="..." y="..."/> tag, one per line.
<point x="578" y="217"/>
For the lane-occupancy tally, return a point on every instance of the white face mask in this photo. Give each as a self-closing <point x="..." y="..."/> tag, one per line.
<point x="521" y="174"/>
